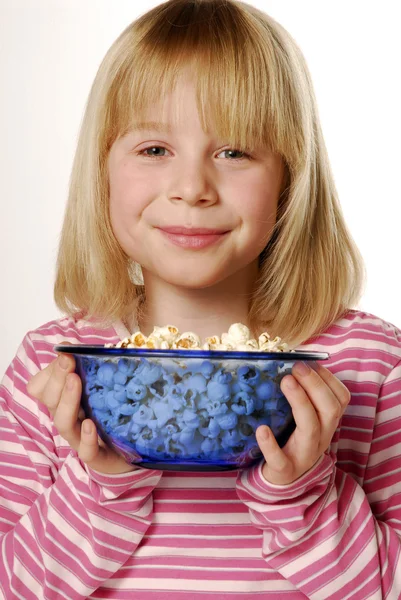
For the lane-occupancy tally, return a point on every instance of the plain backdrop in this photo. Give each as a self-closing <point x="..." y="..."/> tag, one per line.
<point x="50" y="51"/>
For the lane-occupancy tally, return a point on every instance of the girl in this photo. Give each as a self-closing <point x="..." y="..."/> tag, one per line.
<point x="201" y="195"/>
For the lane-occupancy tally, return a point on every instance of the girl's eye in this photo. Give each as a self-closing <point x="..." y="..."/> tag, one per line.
<point x="154" y="152"/>
<point x="232" y="152"/>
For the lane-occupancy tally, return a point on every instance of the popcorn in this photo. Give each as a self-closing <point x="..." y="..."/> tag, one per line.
<point x="274" y="346"/>
<point x="264" y="338"/>
<point x="237" y="338"/>
<point x="124" y="343"/>
<point x="203" y="406"/>
<point x="239" y="333"/>
<point x="166" y="334"/>
<point x="227" y="341"/>
<point x="222" y="347"/>
<point x="249" y="346"/>
<point x="153" y="343"/>
<point x="188" y="341"/>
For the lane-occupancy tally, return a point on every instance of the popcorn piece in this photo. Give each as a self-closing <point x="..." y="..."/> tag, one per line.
<point x="228" y="341"/>
<point x="152" y="343"/>
<point x="246" y="348"/>
<point x="239" y="333"/>
<point x="138" y="339"/>
<point x="264" y="338"/>
<point x="124" y="343"/>
<point x="188" y="341"/>
<point x="168" y="334"/>
<point x="274" y="346"/>
<point x="221" y="347"/>
<point x="252" y="344"/>
<point x="213" y="340"/>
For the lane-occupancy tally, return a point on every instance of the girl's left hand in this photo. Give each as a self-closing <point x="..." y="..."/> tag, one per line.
<point x="318" y="400"/>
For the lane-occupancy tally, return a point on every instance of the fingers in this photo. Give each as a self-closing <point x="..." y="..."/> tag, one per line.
<point x="340" y="391"/>
<point x="38" y="382"/>
<point x="303" y="411"/>
<point x="322" y="393"/>
<point x="327" y="393"/>
<point x="48" y="384"/>
<point x="66" y="414"/>
<point x="318" y="400"/>
<point x="278" y="468"/>
<point x="63" y="366"/>
<point x="305" y="441"/>
<point x="88" y="449"/>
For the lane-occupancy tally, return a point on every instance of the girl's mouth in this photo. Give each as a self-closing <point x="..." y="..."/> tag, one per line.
<point x="193" y="238"/>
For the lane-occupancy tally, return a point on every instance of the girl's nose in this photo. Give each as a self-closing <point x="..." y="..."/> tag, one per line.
<point x="193" y="185"/>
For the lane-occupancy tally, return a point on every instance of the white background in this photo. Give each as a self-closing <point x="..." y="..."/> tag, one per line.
<point x="49" y="54"/>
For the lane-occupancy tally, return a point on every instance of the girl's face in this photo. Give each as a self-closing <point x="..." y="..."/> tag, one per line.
<point x="169" y="179"/>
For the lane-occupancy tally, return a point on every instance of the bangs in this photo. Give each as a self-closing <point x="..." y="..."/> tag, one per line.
<point x="243" y="86"/>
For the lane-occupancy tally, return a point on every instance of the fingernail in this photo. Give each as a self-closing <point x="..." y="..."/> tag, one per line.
<point x="301" y="368"/>
<point x="63" y="361"/>
<point x="291" y="382"/>
<point x="264" y="434"/>
<point x="314" y="365"/>
<point x="87" y="427"/>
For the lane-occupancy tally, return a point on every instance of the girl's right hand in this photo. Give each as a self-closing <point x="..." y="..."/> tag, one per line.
<point x="58" y="387"/>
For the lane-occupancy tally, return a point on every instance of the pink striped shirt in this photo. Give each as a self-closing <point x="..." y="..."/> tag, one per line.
<point x="67" y="532"/>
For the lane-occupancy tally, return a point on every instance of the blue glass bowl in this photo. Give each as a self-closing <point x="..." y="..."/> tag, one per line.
<point x="185" y="410"/>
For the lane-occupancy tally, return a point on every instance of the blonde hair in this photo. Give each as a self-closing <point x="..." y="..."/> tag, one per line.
<point x="254" y="87"/>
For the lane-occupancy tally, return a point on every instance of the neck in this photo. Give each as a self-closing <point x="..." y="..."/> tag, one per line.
<point x="207" y="311"/>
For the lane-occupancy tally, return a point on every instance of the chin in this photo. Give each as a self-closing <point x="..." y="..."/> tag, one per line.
<point x="194" y="279"/>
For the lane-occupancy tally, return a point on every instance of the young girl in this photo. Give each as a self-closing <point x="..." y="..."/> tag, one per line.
<point x="201" y="195"/>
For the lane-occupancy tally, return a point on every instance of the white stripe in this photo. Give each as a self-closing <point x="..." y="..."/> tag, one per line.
<point x="199" y="518"/>
<point x="385" y="455"/>
<point x="217" y="553"/>
<point x="57" y="338"/>
<point x="181" y="567"/>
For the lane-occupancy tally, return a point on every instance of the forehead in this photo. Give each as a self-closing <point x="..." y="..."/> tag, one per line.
<point x="175" y="107"/>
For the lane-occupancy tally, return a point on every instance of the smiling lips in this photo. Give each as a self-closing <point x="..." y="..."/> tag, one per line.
<point x="194" y="238"/>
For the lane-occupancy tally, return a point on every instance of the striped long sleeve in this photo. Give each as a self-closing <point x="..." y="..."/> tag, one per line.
<point x="64" y="529"/>
<point x="332" y="537"/>
<point x="67" y="532"/>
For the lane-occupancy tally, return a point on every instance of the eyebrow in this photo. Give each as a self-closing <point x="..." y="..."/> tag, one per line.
<point x="151" y="126"/>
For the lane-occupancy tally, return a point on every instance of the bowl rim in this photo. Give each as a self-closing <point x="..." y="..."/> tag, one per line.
<point x="100" y="350"/>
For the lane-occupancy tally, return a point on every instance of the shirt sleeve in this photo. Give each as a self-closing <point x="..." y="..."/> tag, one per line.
<point x="64" y="529"/>
<point x="331" y="537"/>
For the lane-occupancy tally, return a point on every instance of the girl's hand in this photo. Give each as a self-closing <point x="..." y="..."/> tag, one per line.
<point x="59" y="389"/>
<point x="318" y="400"/>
